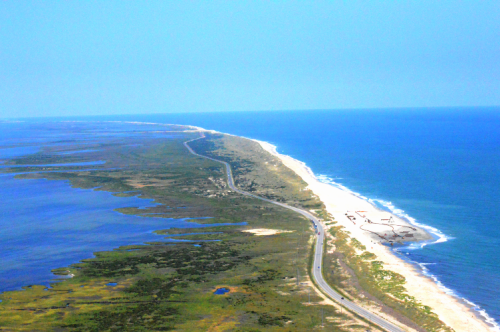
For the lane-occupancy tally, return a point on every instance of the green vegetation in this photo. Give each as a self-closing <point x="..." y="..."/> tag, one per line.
<point x="169" y="287"/>
<point x="257" y="171"/>
<point x="364" y="279"/>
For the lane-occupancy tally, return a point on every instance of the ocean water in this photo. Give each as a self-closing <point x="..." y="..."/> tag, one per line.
<point x="439" y="168"/>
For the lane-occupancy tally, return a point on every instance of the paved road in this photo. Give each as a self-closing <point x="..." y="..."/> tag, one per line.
<point x="317" y="267"/>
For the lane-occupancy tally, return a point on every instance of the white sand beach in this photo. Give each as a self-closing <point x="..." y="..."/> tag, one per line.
<point x="370" y="226"/>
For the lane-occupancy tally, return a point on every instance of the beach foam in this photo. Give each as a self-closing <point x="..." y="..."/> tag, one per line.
<point x="386" y="205"/>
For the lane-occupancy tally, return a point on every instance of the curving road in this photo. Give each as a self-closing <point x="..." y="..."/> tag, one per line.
<point x="317" y="266"/>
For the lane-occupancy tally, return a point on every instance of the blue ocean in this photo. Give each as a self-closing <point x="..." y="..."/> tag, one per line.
<point x="439" y="168"/>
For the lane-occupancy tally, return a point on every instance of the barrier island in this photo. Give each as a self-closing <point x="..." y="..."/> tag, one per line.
<point x="252" y="272"/>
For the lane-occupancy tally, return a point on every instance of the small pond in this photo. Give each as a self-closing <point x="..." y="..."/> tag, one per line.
<point x="221" y="291"/>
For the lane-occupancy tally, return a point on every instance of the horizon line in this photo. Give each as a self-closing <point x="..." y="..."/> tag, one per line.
<point x="262" y="110"/>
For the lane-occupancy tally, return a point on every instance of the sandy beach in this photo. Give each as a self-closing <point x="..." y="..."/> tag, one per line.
<point x="372" y="227"/>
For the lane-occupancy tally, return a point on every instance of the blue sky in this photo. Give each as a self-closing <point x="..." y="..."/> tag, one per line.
<point x="125" y="57"/>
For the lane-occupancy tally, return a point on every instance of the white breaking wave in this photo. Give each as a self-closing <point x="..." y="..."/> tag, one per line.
<point x="451" y="292"/>
<point x="440" y="236"/>
<point x="423" y="266"/>
<point x="484" y="314"/>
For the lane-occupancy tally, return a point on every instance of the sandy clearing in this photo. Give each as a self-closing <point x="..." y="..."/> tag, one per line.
<point x="265" y="231"/>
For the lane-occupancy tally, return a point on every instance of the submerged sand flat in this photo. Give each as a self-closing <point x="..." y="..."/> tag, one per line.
<point x="371" y="227"/>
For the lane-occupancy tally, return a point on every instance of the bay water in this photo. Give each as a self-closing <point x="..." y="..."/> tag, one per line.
<point x="47" y="224"/>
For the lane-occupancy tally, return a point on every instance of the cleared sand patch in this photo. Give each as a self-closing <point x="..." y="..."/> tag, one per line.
<point x="265" y="231"/>
<point x="148" y="182"/>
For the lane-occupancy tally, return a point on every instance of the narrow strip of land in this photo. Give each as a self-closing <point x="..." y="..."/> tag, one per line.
<point x="317" y="265"/>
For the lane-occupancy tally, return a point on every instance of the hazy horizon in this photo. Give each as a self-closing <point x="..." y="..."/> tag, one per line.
<point x="403" y="109"/>
<point x="75" y="59"/>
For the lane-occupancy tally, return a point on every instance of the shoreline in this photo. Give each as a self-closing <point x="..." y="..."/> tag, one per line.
<point x="436" y="236"/>
<point x="458" y="313"/>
